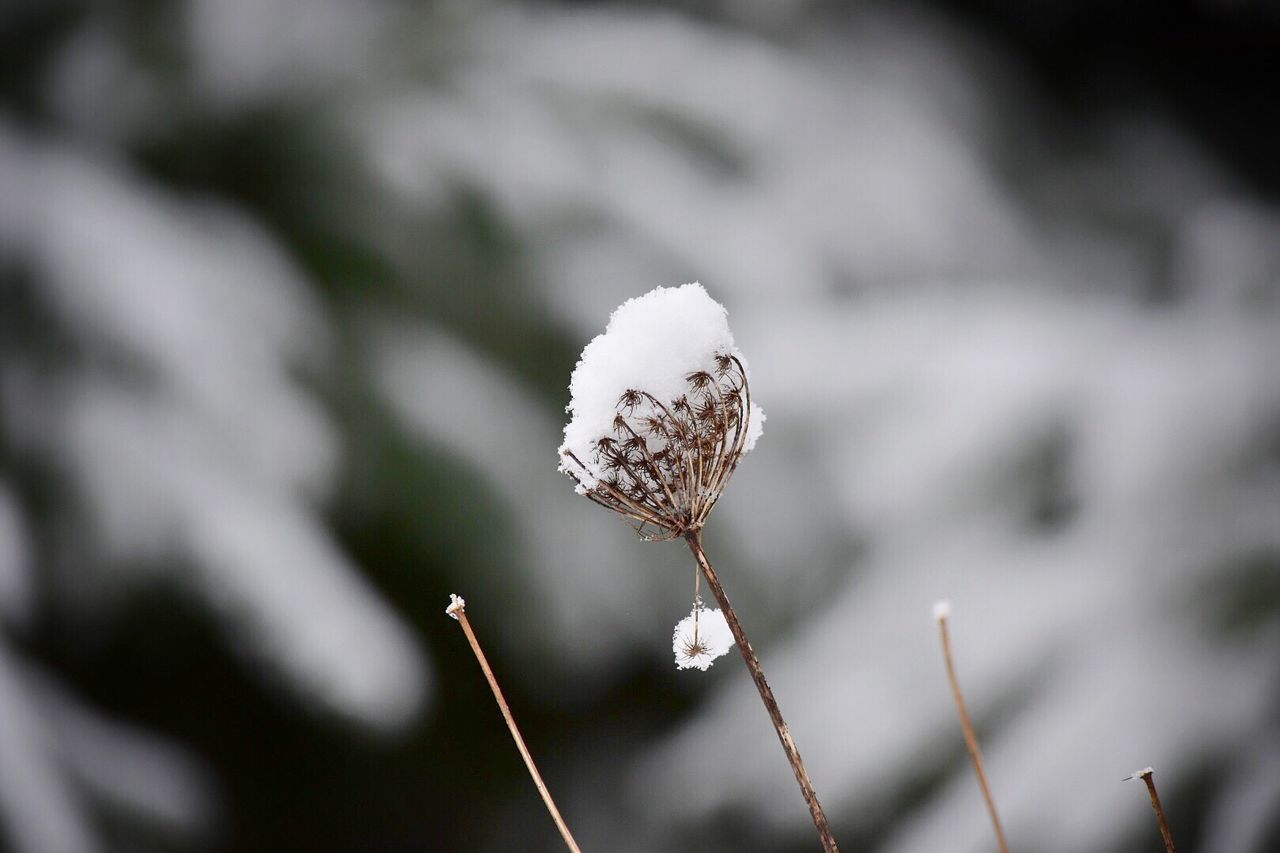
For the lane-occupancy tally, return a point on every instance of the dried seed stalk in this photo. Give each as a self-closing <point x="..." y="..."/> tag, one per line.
<point x="694" y="538"/>
<point x="664" y="466"/>
<point x="1148" y="775"/>
<point x="458" y="610"/>
<point x="970" y="736"/>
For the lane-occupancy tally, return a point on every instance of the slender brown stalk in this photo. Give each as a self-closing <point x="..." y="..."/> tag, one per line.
<point x="970" y="736"/>
<point x="458" y="610"/>
<point x="694" y="538"/>
<point x="1148" y="775"/>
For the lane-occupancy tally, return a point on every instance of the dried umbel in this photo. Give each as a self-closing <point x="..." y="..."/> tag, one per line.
<point x="661" y="412"/>
<point x="665" y="463"/>
<point x="661" y="416"/>
<point x="701" y="637"/>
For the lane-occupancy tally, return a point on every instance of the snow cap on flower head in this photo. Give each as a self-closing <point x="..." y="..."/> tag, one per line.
<point x="661" y="411"/>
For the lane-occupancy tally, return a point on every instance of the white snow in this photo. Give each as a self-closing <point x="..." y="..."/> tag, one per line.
<point x="211" y="465"/>
<point x="713" y="639"/>
<point x="39" y="805"/>
<point x="17" y="591"/>
<point x="651" y="344"/>
<point x="941" y="610"/>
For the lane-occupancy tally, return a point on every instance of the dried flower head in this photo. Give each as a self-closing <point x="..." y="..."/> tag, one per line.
<point x="662" y="412"/>
<point x="700" y="638"/>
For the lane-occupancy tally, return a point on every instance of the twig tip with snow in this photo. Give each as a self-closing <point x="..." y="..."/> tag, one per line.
<point x="941" y="610"/>
<point x="457" y="604"/>
<point x="1140" y="774"/>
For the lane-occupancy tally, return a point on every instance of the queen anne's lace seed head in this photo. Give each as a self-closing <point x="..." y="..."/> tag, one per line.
<point x="661" y="412"/>
<point x="700" y="638"/>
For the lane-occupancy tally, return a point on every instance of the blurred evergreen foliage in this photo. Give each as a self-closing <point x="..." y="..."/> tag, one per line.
<point x="292" y="773"/>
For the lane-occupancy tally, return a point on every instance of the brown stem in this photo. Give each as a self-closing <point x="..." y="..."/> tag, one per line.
<point x="1148" y="776"/>
<point x="458" y="611"/>
<point x="694" y="538"/>
<point x="970" y="736"/>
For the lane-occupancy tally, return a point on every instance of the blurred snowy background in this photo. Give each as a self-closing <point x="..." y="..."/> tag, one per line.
<point x="290" y="292"/>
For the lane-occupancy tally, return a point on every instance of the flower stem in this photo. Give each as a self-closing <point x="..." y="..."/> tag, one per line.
<point x="1148" y="776"/>
<point x="694" y="538"/>
<point x="970" y="736"/>
<point x="458" y="611"/>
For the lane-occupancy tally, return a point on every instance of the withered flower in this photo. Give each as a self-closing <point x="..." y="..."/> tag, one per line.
<point x="669" y="463"/>
<point x="679" y="415"/>
<point x="701" y="637"/>
<point x="661" y="416"/>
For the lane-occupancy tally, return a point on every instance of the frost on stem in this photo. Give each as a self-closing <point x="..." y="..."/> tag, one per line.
<point x="700" y="638"/>
<point x="661" y="412"/>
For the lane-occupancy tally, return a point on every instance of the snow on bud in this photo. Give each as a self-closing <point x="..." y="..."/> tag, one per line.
<point x="700" y="638"/>
<point x="941" y="610"/>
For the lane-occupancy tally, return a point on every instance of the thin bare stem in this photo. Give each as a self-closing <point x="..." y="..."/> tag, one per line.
<point x="970" y="736"/>
<point x="458" y="610"/>
<point x="1148" y="775"/>
<point x="694" y="538"/>
<point x="697" y="604"/>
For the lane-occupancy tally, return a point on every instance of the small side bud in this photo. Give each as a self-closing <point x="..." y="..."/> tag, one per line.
<point x="700" y="638"/>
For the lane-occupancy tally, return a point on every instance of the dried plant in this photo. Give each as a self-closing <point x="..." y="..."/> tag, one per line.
<point x="458" y="610"/>
<point x="1147" y="775"/>
<point x="664" y="460"/>
<point x="941" y="615"/>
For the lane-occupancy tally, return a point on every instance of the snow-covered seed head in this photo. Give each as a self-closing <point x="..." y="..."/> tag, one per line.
<point x="661" y="412"/>
<point x="700" y="638"/>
